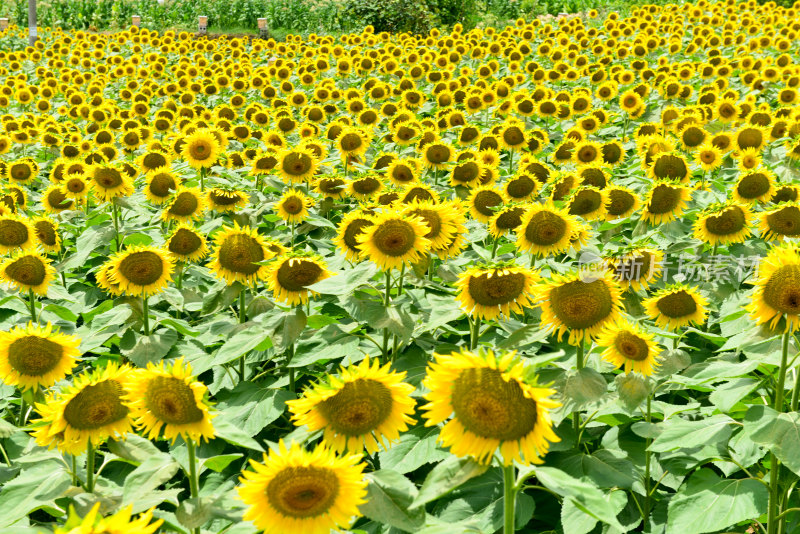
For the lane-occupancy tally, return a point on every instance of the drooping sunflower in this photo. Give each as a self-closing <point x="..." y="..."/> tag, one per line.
<point x="294" y="490"/>
<point x="140" y="270"/>
<point x="187" y="244"/>
<point x="755" y="186"/>
<point x="36" y="356"/>
<point x="201" y="148"/>
<point x="352" y="141"/>
<point x="394" y="238"/>
<point x="365" y="187"/>
<point x="16" y="233"/>
<point x="490" y="404"/>
<point x="364" y="406"/>
<point x="442" y="219"/>
<point x="670" y="166"/>
<point x="90" y="410"/>
<point x="637" y="268"/>
<point x="27" y="270"/>
<point x="46" y="230"/>
<point x="483" y="201"/>
<point x="109" y="182"/>
<point x="167" y="396"/>
<point x="290" y="275"/>
<point x="507" y="219"/>
<point x="186" y="204"/>
<point x="492" y="290"/>
<point x="580" y="303"/>
<point x="781" y="222"/>
<point x="676" y="306"/>
<point x="296" y="165"/>
<point x="630" y="347"/>
<point x="545" y="230"/>
<point x="621" y="202"/>
<point x="723" y="223"/>
<point x="587" y="202"/>
<point x="777" y="289"/>
<point x="118" y="523"/>
<point x="237" y="254"/>
<point x="665" y="202"/>
<point x="226" y="201"/>
<point x="293" y="206"/>
<point x="160" y="184"/>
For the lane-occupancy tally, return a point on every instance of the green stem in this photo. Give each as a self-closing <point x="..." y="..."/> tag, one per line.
<point x="74" y="470"/>
<point x="179" y="281"/>
<point x="576" y="416"/>
<point x="795" y="392"/>
<point x="494" y="246"/>
<point x="146" y="315"/>
<point x="509" y="499"/>
<point x="202" y="178"/>
<point x="510" y="161"/>
<point x="23" y="407"/>
<point x="714" y="250"/>
<point x="291" y="369"/>
<point x="292" y="241"/>
<point x="387" y="295"/>
<point x="474" y="331"/>
<point x="115" y="217"/>
<point x="647" y="455"/>
<point x="32" y="303"/>
<point x="773" y="510"/>
<point x="8" y="462"/>
<point x="401" y="280"/>
<point x="90" y="467"/>
<point x="194" y="486"/>
<point x="243" y="306"/>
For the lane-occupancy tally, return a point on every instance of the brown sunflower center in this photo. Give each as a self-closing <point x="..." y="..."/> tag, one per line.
<point x="331" y="186"/>
<point x="437" y="154"/>
<point x="46" y="233"/>
<point x="96" y="406"/>
<point x="587" y="154"/>
<point x="432" y="219"/>
<point x="545" y="228"/>
<point x="296" y="275"/>
<point x="786" y="193"/>
<point x="358" y="408"/>
<point x="171" y="401"/>
<point x="491" y="407"/>
<point x="108" y="178"/>
<point x="585" y="202"/>
<point x="510" y="218"/>
<point x="34" y="355"/>
<point x="664" y="199"/>
<point x="141" y="268"/>
<point x="184" y="242"/>
<point x="353" y="229"/>
<point x="296" y="164"/>
<point x="631" y="346"/>
<point x="153" y="160"/>
<point x="13" y="233"/>
<point x="619" y="202"/>
<point x="486" y="200"/>
<point x="636" y="267"/>
<point x="497" y="289"/>
<point x="366" y="185"/>
<point x="20" y="171"/>
<point x="753" y="185"/>
<point x="670" y="167"/>
<point x="200" y="150"/>
<point x="350" y="142"/>
<point x="782" y="290"/>
<point x="225" y="198"/>
<point x="466" y="172"/>
<point x="394" y="238"/>
<point x="728" y="222"/>
<point x="58" y="200"/>
<point x="580" y="304"/>
<point x="239" y="253"/>
<point x="292" y="205"/>
<point x="301" y="492"/>
<point x="785" y="221"/>
<point x="521" y="187"/>
<point x="184" y="205"/>
<point x="27" y="270"/>
<point x="162" y="184"/>
<point x="76" y="185"/>
<point x="402" y="173"/>
<point x="678" y="304"/>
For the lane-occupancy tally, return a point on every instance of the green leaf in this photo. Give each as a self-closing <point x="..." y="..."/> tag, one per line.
<point x="682" y="434"/>
<point x="389" y="498"/>
<point x="289" y="329"/>
<point x="150" y="348"/>
<point x="414" y="449"/>
<point x="251" y="407"/>
<point x="708" y="503"/>
<point x="219" y="463"/>
<point x="38" y="486"/>
<point x="241" y="343"/>
<point x="778" y="432"/>
<point x="447" y="476"/>
<point x="587" y="385"/>
<point x="576" y="521"/>
<point x="194" y="513"/>
<point x="134" y="448"/>
<point x="524" y="337"/>
<point x="346" y="282"/>
<point x="632" y="389"/>
<point x="147" y="478"/>
<point x="726" y="395"/>
<point x="229" y="432"/>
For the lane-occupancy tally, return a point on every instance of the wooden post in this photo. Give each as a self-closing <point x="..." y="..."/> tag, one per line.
<point x="136" y="20"/>
<point x="3" y="24"/>
<point x="263" y="29"/>
<point x="202" y="25"/>
<point x="32" y="32"/>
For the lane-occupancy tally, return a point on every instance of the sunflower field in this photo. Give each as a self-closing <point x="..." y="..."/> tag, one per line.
<point x="542" y="278"/>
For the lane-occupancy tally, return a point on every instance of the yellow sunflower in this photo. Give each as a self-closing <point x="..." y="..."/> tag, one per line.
<point x="351" y="225"/>
<point x="290" y="275"/>
<point x="630" y="347"/>
<point x="777" y="289"/>
<point x="621" y="202"/>
<point x="365" y="405"/>
<point x="294" y="490"/>
<point x="159" y="185"/>
<point x="141" y="270"/>
<point x="781" y="222"/>
<point x="723" y="223"/>
<point x="36" y="357"/>
<point x="27" y="271"/>
<point x="46" y="230"/>
<point x="187" y="203"/>
<point x="491" y="405"/>
<point x="489" y="291"/>
<point x="75" y="186"/>
<point x="755" y="186"/>
<point x="118" y="523"/>
<point x="168" y="397"/>
<point x="296" y="165"/>
<point x="16" y="233"/>
<point x="545" y="230"/>
<point x="580" y="303"/>
<point x="226" y="201"/>
<point x="637" y="268"/>
<point x="676" y="306"/>
<point x="393" y="239"/>
<point x="109" y="182"/>
<point x="441" y="218"/>
<point x="237" y="255"/>
<point x="201" y="148"/>
<point x="90" y="410"/>
<point x="55" y="201"/>
<point x="187" y="244"/>
<point x="293" y="206"/>
<point x="484" y="201"/>
<point x="665" y="202"/>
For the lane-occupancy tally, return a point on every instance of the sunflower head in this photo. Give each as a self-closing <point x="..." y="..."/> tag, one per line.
<point x="238" y="255"/>
<point x="665" y="202"/>
<point x="16" y="233"/>
<point x="676" y="306"/>
<point x="492" y="290"/>
<point x="351" y="225"/>
<point x="201" y="148"/>
<point x="545" y="230"/>
<point x="293" y="206"/>
<point x="637" y="268"/>
<point x="296" y="165"/>
<point x="27" y="271"/>
<point x="781" y="222"/>
<point x="755" y="186"/>
<point x="621" y="202"/>
<point x="226" y="201"/>
<point x="393" y="239"/>
<point x="628" y="346"/>
<point x="186" y="204"/>
<point x="109" y="182"/>
<point x="160" y="184"/>
<point x="290" y="275"/>
<point x="36" y="356"/>
<point x="46" y="231"/>
<point x="777" y="289"/>
<point x="723" y="223"/>
<point x="141" y="270"/>
<point x="187" y="244"/>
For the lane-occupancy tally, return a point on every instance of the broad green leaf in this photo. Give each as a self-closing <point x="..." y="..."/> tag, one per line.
<point x="346" y="282"/>
<point x="228" y="431"/>
<point x="219" y="463"/>
<point x="446" y="476"/>
<point x="726" y="395"/>
<point x="576" y="521"/>
<point x="632" y="389"/>
<point x="251" y="407"/>
<point x="389" y="498"/>
<point x="679" y="433"/>
<point x="194" y="513"/>
<point x="414" y="449"/>
<point x="242" y="343"/>
<point x="148" y="477"/>
<point x="708" y="503"/>
<point x="37" y="486"/>
<point x="587" y="385"/>
<point x="134" y="448"/>
<point x="289" y="329"/>
<point x="778" y="432"/>
<point x="150" y="349"/>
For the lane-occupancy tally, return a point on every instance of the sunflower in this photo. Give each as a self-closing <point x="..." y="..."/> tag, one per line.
<point x="437" y="155"/>
<point x="506" y="219"/>
<point x="521" y="187"/>
<point x="493" y="405"/>
<point x="226" y="201"/>
<point x="748" y="159"/>
<point x="781" y="222"/>
<point x="483" y="201"/>
<point x="296" y="165"/>
<point x="36" y="357"/>
<point x="630" y="347"/>
<point x="201" y="148"/>
<point x="402" y="171"/>
<point x="89" y="411"/>
<point x="364" y="406"/>
<point x="676" y="306"/>
<point x="16" y="233"/>
<point x="293" y="206"/>
<point x="294" y="490"/>
<point x="104" y="281"/>
<point x="140" y="270"/>
<point x="109" y="182"/>
<point x="55" y="201"/>
<point x="394" y="238"/>
<point x="708" y="156"/>
<point x="580" y="303"/>
<point x="545" y="230"/>
<point x="352" y="141"/>
<point x="187" y="244"/>
<point x="637" y="268"/>
<point x="75" y="186"/>
<point x="46" y="231"/>
<point x="442" y="219"/>
<point x="167" y="396"/>
<point x="351" y="225"/>
<point x="22" y="171"/>
<point x="159" y="185"/>
<point x="755" y="186"/>
<point x="777" y="289"/>
<point x="665" y="202"/>
<point x="365" y="187"/>
<point x="290" y="275"/>
<point x="237" y="255"/>
<point x="152" y="160"/>
<point x="669" y="166"/>
<point x="587" y="202"/>
<point x="499" y="289"/>
<point x="118" y="523"/>
<point x="621" y="202"/>
<point x="27" y="271"/>
<point x="723" y="223"/>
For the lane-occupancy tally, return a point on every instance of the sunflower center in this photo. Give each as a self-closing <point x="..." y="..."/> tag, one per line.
<point x="633" y="267"/>
<point x="580" y="304"/>
<point x="520" y="187"/>
<point x="664" y="199"/>
<point x="96" y="406"/>
<point x="172" y="401"/>
<point x="27" y="270"/>
<point x="785" y="221"/>
<point x="200" y="150"/>
<point x="34" y="355"/>
<point x="358" y="408"/>
<point x="353" y="229"/>
<point x="728" y="222"/>
<point x="154" y="160"/>
<point x="239" y="253"/>
<point x="394" y="238"/>
<point x="184" y="242"/>
<point x="497" y="289"/>
<point x="466" y="172"/>
<point x="301" y="492"/>
<point x="13" y="233"/>
<point x="587" y="154"/>
<point x="366" y="185"/>
<point x="670" y="167"/>
<point x="76" y="185"/>
<point x="782" y="290"/>
<point x="20" y="171"/>
<point x="45" y="232"/>
<point x="491" y="407"/>
<point x="585" y="202"/>
<point x="108" y="178"/>
<point x="678" y="304"/>
<point x="510" y="218"/>
<point x="296" y="164"/>
<point x="545" y="228"/>
<point x="142" y="268"/>
<point x="753" y="185"/>
<point x="485" y="201"/>
<point x="296" y="275"/>
<point x="432" y="219"/>
<point x="437" y="154"/>
<point x="224" y="198"/>
<point x="162" y="184"/>
<point x="619" y="202"/>
<point x="350" y="142"/>
<point x="631" y="346"/>
<point x="184" y="205"/>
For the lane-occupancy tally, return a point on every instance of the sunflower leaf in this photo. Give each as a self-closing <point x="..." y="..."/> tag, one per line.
<point x="389" y="498"/>
<point x="447" y="476"/>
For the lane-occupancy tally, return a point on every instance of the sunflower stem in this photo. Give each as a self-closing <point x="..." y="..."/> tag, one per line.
<point x="291" y="244"/>
<point x="90" y="467"/>
<point x="576" y="415"/>
<point x="509" y="499"/>
<point x="494" y="245"/>
<point x="202" y="178"/>
<point x="773" y="510"/>
<point x="795" y="392"/>
<point x="714" y="251"/>
<point x="74" y="470"/>
<point x="387" y="295"/>
<point x="243" y="306"/>
<point x="115" y="218"/>
<point x="22" y="409"/>
<point x="194" y="487"/>
<point x="146" y="315"/>
<point x="510" y="161"/>
<point x="647" y="454"/>
<point x="400" y="280"/>
<point x="291" y="369"/>
<point x="32" y="303"/>
<point x="8" y="462"/>
<point x="474" y="331"/>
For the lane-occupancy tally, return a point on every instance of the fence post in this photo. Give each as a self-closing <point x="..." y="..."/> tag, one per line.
<point x="202" y="25"/>
<point x="32" y="33"/>
<point x="3" y="24"/>
<point x="136" y="20"/>
<point x="263" y="29"/>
